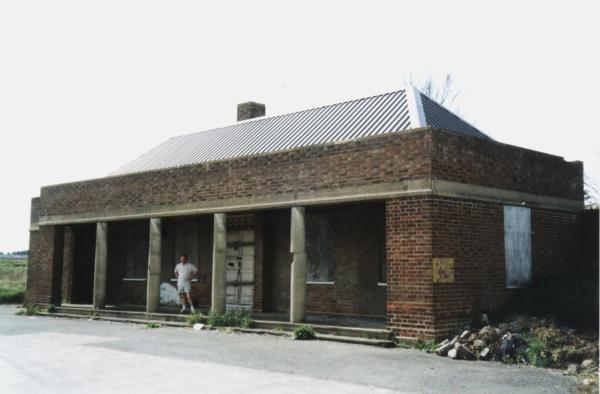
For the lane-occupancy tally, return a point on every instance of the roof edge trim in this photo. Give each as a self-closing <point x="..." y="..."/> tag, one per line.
<point x="415" y="107"/>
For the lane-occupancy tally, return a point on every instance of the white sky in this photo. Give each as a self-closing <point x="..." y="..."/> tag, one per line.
<point x="87" y="86"/>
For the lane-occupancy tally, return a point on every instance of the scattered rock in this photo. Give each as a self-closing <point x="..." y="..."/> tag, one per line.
<point x="587" y="363"/>
<point x="461" y="351"/>
<point x="443" y="349"/>
<point x="479" y="344"/>
<point x="588" y="382"/>
<point x="465" y="334"/>
<point x="508" y="345"/>
<point x="572" y="369"/>
<point x="485" y="353"/>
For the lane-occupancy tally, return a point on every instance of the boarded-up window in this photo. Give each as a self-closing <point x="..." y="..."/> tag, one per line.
<point x="319" y="247"/>
<point x="517" y="246"/>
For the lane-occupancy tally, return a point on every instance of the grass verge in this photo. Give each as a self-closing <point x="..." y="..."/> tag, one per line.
<point x="13" y="278"/>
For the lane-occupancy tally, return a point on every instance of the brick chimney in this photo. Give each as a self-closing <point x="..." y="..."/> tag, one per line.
<point x="250" y="110"/>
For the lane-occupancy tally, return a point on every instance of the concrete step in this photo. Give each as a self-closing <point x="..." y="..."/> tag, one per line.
<point x="351" y="332"/>
<point x="367" y="336"/>
<point x="283" y="328"/>
<point x="116" y="319"/>
<point x="122" y="314"/>
<point x="357" y="340"/>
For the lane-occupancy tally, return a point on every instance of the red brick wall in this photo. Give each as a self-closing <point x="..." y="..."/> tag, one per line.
<point x="33" y="268"/>
<point x="409" y="252"/>
<point x="45" y="266"/>
<point x="472" y="232"/>
<point x="556" y="241"/>
<point x="370" y="161"/>
<point x="475" y="161"/>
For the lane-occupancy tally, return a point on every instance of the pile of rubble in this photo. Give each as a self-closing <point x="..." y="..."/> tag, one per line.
<point x="527" y="341"/>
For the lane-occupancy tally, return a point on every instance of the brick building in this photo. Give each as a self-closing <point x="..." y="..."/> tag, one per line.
<point x="388" y="207"/>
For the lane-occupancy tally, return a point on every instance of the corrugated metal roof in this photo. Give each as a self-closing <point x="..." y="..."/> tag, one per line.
<point x="438" y="116"/>
<point x="385" y="113"/>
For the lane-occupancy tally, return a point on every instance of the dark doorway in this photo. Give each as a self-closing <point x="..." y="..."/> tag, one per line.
<point x="83" y="263"/>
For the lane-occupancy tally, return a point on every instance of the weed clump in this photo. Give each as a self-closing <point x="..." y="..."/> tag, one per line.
<point x="304" y="333"/>
<point x="231" y="318"/>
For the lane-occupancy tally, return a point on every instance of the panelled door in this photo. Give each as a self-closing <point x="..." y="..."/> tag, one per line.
<point x="240" y="262"/>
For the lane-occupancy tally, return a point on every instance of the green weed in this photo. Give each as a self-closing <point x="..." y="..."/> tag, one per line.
<point x="304" y="332"/>
<point x="231" y="318"/>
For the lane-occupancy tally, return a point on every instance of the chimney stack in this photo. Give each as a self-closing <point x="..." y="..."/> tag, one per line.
<point x="250" y="110"/>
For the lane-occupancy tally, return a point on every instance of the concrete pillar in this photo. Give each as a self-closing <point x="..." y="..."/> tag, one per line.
<point x="154" y="266"/>
<point x="298" y="271"/>
<point x="219" y="267"/>
<point x="100" y="265"/>
<point x="67" y="262"/>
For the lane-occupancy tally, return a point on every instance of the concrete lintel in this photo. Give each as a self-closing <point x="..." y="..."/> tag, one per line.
<point x="476" y="192"/>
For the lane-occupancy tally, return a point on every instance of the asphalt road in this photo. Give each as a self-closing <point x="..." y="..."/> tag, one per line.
<point x="54" y="355"/>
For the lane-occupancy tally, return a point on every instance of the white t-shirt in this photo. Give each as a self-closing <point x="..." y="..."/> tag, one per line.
<point x="185" y="272"/>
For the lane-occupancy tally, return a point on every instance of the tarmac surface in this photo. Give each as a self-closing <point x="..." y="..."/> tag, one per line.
<point x="57" y="355"/>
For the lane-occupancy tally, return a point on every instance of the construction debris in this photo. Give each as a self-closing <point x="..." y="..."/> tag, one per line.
<point x="531" y="341"/>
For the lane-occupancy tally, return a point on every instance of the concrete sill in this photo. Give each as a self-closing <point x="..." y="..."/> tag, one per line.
<point x="319" y="283"/>
<point x="134" y="279"/>
<point x="381" y="284"/>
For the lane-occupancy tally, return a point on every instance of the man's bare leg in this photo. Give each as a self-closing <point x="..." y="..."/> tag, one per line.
<point x="189" y="298"/>
<point x="182" y="296"/>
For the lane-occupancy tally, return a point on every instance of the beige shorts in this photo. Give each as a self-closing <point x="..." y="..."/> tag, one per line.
<point x="184" y="287"/>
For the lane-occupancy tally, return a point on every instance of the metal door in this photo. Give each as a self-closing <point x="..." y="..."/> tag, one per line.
<point x="240" y="268"/>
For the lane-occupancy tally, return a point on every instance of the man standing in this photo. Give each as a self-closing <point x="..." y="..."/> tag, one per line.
<point x="184" y="271"/>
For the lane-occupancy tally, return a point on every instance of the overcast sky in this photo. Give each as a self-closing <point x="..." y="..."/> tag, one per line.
<point x="87" y="86"/>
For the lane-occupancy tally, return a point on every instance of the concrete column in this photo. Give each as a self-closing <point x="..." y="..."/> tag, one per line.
<point x="100" y="266"/>
<point x="219" y="267"/>
<point x="298" y="271"/>
<point x="67" y="262"/>
<point x="154" y="266"/>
